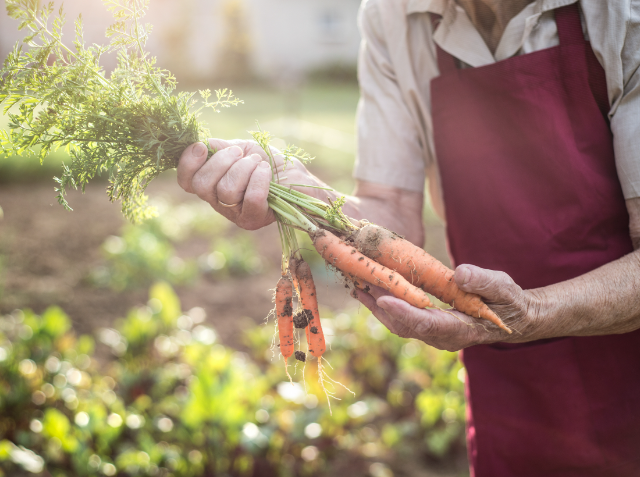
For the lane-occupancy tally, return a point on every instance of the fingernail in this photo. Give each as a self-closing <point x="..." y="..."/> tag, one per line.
<point x="264" y="164"/>
<point x="256" y="157"/>
<point x="198" y="149"/>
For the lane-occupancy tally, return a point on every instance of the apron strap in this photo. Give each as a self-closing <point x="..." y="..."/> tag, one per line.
<point x="446" y="61"/>
<point x="569" y="25"/>
<point x="570" y="33"/>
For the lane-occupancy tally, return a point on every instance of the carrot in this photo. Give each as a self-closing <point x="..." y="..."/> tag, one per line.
<point x="284" y="313"/>
<point x="293" y="266"/>
<point x="421" y="269"/>
<point x="347" y="259"/>
<point x="309" y="301"/>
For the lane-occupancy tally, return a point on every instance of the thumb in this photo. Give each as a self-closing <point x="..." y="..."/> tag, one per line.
<point x="496" y="287"/>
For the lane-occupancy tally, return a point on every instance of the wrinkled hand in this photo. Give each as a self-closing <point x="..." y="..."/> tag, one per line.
<point x="452" y="330"/>
<point x="238" y="173"/>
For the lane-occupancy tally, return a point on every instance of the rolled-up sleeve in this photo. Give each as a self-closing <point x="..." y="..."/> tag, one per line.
<point x="625" y="118"/>
<point x="389" y="145"/>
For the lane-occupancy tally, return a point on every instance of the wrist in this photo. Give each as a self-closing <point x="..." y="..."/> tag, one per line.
<point x="544" y="314"/>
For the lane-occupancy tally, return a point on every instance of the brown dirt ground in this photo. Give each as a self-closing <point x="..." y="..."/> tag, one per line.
<point x="46" y="254"/>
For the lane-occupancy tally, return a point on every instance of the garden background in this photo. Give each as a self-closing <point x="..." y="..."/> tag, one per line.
<point x="146" y="350"/>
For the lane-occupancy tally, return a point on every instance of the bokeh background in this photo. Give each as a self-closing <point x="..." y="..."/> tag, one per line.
<point x="148" y="350"/>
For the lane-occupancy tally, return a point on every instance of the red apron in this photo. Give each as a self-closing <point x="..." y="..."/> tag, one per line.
<point x="530" y="188"/>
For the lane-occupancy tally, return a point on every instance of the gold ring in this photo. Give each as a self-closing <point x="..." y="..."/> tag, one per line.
<point x="228" y="205"/>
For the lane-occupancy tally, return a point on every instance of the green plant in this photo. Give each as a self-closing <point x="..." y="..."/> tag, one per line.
<point x="235" y="256"/>
<point x="138" y="258"/>
<point x="167" y="399"/>
<point x="144" y="253"/>
<point x="131" y="125"/>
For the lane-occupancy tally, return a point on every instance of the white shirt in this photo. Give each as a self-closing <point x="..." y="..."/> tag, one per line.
<point x="398" y="60"/>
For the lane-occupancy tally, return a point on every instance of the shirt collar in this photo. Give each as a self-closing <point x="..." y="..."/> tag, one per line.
<point x="439" y="6"/>
<point x="457" y="35"/>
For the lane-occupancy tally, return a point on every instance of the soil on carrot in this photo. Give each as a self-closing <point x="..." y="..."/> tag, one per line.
<point x="301" y="356"/>
<point x="302" y="318"/>
<point x="288" y="308"/>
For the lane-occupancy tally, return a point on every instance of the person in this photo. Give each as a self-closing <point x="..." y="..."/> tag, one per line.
<point x="524" y="117"/>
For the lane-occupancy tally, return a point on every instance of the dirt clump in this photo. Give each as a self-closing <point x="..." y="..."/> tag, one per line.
<point x="288" y="307"/>
<point x="302" y="318"/>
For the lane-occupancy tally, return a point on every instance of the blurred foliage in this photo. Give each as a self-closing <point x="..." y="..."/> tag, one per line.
<point x="235" y="256"/>
<point x="234" y="64"/>
<point x="326" y="104"/>
<point x="146" y="252"/>
<point x="2" y="267"/>
<point x="157" y="396"/>
<point x="339" y="72"/>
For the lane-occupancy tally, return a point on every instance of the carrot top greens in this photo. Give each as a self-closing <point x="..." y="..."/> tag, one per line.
<point x="131" y="124"/>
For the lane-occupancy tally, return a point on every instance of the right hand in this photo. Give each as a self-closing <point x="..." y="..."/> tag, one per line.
<point x="238" y="173"/>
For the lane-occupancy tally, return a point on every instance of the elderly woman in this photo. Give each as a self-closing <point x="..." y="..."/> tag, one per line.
<point x="524" y="116"/>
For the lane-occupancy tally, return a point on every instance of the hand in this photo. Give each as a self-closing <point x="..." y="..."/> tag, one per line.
<point x="451" y="330"/>
<point x="238" y="173"/>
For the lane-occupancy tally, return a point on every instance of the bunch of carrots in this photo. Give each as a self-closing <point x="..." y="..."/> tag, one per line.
<point x="365" y="254"/>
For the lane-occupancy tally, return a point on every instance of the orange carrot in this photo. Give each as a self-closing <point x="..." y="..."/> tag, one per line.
<point x="284" y="313"/>
<point x="421" y="269"/>
<point x="347" y="259"/>
<point x="309" y="301"/>
<point x="293" y="266"/>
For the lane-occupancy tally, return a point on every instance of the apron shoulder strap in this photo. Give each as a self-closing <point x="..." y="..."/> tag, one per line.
<point x="446" y="61"/>
<point x="569" y="25"/>
<point x="570" y="33"/>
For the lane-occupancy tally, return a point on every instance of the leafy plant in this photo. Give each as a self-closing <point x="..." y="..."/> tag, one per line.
<point x="131" y="125"/>
<point x="236" y="256"/>
<point x="164" y="398"/>
<point x="138" y="258"/>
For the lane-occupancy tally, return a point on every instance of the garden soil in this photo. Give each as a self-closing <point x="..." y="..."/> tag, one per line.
<point x="47" y="254"/>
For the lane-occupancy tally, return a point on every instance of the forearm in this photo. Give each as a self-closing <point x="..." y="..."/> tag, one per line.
<point x="603" y="301"/>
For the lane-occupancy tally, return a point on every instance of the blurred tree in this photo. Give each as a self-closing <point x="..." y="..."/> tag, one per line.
<point x="175" y="35"/>
<point x="236" y="45"/>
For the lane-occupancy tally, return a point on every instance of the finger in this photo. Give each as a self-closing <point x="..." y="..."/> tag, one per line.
<point x="367" y="300"/>
<point x="429" y="322"/>
<point x="411" y="321"/>
<point x="370" y="302"/>
<point x="191" y="160"/>
<point x="234" y="183"/>
<point x="377" y="291"/>
<point x="248" y="147"/>
<point x="205" y="180"/>
<point x="255" y="209"/>
<point x="219" y="144"/>
<point x="497" y="287"/>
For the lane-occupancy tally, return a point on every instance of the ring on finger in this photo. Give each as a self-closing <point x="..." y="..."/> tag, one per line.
<point x="228" y="205"/>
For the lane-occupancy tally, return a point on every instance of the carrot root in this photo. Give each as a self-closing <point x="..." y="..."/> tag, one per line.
<point x="421" y="269"/>
<point x="347" y="259"/>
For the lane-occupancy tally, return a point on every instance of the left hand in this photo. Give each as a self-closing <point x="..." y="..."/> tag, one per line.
<point x="238" y="175"/>
<point x="451" y="330"/>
